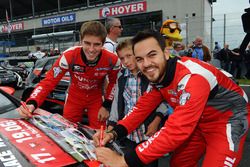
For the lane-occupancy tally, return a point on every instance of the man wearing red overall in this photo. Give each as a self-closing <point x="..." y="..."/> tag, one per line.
<point x="210" y="118"/>
<point x="88" y="66"/>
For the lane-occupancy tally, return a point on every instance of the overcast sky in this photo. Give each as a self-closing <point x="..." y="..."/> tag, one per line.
<point x="233" y="9"/>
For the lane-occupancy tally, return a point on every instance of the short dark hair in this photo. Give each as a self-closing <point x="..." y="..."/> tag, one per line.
<point x="94" y="28"/>
<point x="142" y="35"/>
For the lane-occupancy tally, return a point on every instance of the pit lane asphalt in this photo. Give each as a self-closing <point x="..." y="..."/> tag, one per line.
<point x="163" y="162"/>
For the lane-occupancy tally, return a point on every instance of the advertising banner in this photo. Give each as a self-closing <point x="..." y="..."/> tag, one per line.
<point x="12" y="27"/>
<point x="63" y="19"/>
<point x="126" y="9"/>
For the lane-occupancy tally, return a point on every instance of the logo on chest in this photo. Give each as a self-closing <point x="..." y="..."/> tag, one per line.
<point x="78" y="68"/>
<point x="172" y="92"/>
<point x="185" y="96"/>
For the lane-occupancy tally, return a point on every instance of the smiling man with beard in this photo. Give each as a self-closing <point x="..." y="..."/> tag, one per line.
<point x="210" y="117"/>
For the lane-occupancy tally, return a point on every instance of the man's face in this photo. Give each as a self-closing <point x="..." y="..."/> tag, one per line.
<point x="128" y="59"/>
<point x="92" y="46"/>
<point x="117" y="27"/>
<point x="150" y="59"/>
<point x="198" y="42"/>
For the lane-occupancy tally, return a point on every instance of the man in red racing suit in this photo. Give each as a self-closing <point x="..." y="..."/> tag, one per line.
<point x="210" y="117"/>
<point x="87" y="78"/>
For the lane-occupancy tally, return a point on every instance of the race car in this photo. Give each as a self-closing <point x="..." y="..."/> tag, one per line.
<point x="46" y="139"/>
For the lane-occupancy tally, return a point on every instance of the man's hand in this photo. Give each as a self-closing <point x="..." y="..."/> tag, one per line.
<point x="103" y="114"/>
<point x="26" y="111"/>
<point x="153" y="126"/>
<point x="110" y="158"/>
<point x="106" y="138"/>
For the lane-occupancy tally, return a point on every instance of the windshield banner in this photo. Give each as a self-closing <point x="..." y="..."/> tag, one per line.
<point x="38" y="148"/>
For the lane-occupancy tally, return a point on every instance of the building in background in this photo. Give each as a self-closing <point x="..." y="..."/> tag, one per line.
<point x="194" y="16"/>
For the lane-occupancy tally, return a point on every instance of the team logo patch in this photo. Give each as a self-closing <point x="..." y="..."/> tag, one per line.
<point x="173" y="100"/>
<point x="57" y="71"/>
<point x="103" y="69"/>
<point x="64" y="65"/>
<point x="77" y="68"/>
<point x="185" y="96"/>
<point x="172" y="92"/>
<point x="180" y="87"/>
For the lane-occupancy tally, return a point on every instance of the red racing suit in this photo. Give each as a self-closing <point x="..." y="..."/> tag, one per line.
<point x="210" y="117"/>
<point x="85" y="89"/>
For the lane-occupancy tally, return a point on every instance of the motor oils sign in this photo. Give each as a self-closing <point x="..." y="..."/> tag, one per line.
<point x="126" y="9"/>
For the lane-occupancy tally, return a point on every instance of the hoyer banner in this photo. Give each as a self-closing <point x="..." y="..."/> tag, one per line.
<point x="12" y="27"/>
<point x="118" y="10"/>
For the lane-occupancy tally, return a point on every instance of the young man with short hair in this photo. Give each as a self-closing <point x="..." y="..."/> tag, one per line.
<point x="88" y="65"/>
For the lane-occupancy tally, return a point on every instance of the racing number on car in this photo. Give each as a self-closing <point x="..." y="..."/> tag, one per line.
<point x="21" y="136"/>
<point x="41" y="158"/>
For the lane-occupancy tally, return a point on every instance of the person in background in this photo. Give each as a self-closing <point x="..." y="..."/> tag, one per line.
<point x="88" y="65"/>
<point x="51" y="52"/>
<point x="236" y="65"/>
<point x="177" y="48"/>
<point x="38" y="54"/>
<point x="217" y="48"/>
<point x="46" y="54"/>
<point x="210" y="117"/>
<point x="56" y="52"/>
<point x="114" y="30"/>
<point x="247" y="61"/>
<point x="200" y="51"/>
<point x="224" y="56"/>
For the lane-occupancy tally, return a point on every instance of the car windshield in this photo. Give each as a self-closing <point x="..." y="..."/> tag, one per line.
<point x="4" y="102"/>
<point x="7" y="108"/>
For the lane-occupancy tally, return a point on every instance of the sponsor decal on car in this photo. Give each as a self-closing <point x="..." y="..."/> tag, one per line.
<point x="39" y="149"/>
<point x="9" y="156"/>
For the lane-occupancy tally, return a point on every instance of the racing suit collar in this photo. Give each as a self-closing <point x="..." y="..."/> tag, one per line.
<point x="170" y="72"/>
<point x="90" y="63"/>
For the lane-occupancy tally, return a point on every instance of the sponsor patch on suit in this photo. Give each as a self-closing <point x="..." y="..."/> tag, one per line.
<point x="78" y="68"/>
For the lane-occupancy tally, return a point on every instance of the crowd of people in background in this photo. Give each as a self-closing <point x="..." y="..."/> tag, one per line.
<point x="230" y="60"/>
<point x="233" y="62"/>
<point x="39" y="53"/>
